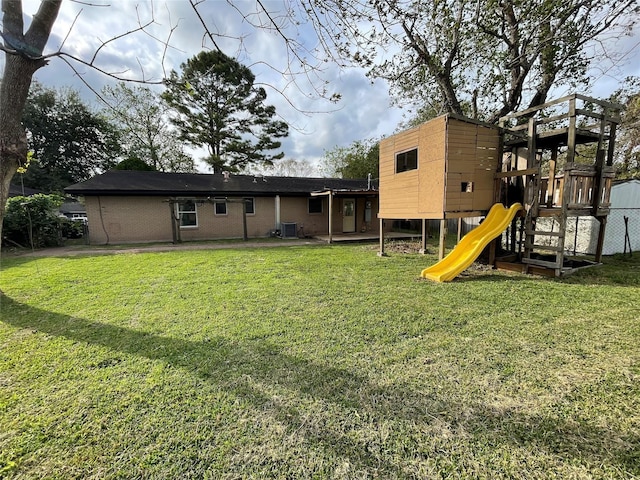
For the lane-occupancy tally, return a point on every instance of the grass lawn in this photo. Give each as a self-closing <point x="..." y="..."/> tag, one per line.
<point x="315" y="362"/>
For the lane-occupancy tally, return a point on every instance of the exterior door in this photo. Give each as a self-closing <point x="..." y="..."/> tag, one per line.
<point x="348" y="215"/>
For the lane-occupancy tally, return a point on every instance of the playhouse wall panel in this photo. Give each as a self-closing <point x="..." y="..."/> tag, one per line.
<point x="482" y="198"/>
<point x="431" y="167"/>
<point x="399" y="190"/>
<point x="407" y="142"/>
<point x="453" y="155"/>
<point x="472" y="152"/>
<point x="400" y="197"/>
<point x="431" y="189"/>
<point x="386" y="153"/>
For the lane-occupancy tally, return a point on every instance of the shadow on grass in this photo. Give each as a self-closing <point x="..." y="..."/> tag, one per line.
<point x="232" y="364"/>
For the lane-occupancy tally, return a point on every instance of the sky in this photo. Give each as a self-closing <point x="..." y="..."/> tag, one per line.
<point x="364" y="112"/>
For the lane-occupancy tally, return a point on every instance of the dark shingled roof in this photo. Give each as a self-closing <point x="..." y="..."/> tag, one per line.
<point x="126" y="182"/>
<point x="19" y="191"/>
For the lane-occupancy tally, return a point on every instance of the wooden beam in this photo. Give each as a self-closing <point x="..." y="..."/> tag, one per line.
<point x="381" y="252"/>
<point x="517" y="173"/>
<point x="425" y="234"/>
<point x="443" y="237"/>
<point x="600" y="244"/>
<point x="551" y="186"/>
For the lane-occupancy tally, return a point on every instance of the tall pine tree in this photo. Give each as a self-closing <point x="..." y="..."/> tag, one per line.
<point x="217" y="106"/>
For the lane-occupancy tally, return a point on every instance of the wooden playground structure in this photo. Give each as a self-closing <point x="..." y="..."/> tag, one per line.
<point x="555" y="159"/>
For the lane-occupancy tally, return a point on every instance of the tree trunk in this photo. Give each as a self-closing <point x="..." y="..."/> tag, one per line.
<point x="23" y="56"/>
<point x="13" y="138"/>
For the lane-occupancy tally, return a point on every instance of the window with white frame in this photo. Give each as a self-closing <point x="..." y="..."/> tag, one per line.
<point x="220" y="206"/>
<point x="187" y="212"/>
<point x="315" y="205"/>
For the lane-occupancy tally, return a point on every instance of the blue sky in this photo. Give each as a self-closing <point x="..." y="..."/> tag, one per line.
<point x="364" y="112"/>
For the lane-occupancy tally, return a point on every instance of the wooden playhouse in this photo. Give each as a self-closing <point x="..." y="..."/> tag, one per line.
<point x="555" y="159"/>
<point x="442" y="169"/>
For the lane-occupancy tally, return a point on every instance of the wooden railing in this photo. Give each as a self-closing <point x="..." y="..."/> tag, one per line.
<point x="582" y="185"/>
<point x="590" y="116"/>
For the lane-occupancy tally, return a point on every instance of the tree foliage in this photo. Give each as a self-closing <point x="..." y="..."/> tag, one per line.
<point x="484" y="58"/>
<point x="358" y="160"/>
<point x="70" y="142"/>
<point x="217" y="106"/>
<point x="134" y="163"/>
<point x="146" y="133"/>
<point x="284" y="168"/>
<point x="628" y="135"/>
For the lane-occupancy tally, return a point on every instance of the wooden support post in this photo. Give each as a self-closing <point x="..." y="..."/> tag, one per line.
<point x="551" y="185"/>
<point x="443" y="237"/>
<point x="612" y="143"/>
<point x="425" y="234"/>
<point x="381" y="252"/>
<point x="568" y="186"/>
<point x="600" y="245"/>
<point x="492" y="252"/>
<point x="598" y="180"/>
<point x="459" y="229"/>
<point x="531" y="192"/>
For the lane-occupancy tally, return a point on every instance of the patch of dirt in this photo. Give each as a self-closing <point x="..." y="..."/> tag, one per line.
<point x="403" y="246"/>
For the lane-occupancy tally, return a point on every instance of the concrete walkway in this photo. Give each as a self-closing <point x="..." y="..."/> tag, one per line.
<point x="75" y="250"/>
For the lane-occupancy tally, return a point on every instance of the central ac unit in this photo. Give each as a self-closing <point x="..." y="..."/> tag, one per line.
<point x="289" y="230"/>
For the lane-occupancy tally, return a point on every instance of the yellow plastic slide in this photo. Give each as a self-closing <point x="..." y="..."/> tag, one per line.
<point x="472" y="244"/>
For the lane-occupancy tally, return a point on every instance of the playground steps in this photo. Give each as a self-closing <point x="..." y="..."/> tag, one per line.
<point x="543" y="248"/>
<point x="580" y="131"/>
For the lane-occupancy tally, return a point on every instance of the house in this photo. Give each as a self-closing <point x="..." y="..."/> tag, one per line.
<point x="22" y="191"/>
<point x="133" y="206"/>
<point x="73" y="210"/>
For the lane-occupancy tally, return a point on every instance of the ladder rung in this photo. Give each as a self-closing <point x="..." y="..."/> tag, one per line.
<point x="553" y="248"/>
<point x="543" y="232"/>
<point x="541" y="263"/>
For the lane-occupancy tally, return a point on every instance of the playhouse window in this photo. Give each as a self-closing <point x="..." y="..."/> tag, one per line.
<point x="466" y="187"/>
<point x="407" y="160"/>
<point x="187" y="213"/>
<point x="315" y="205"/>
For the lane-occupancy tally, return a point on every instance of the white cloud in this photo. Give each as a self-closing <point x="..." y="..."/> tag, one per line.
<point x="364" y="111"/>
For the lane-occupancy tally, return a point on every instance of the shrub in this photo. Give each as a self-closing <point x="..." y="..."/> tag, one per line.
<point x="33" y="221"/>
<point x="71" y="228"/>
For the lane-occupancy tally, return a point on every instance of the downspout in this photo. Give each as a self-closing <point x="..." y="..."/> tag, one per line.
<point x="330" y="216"/>
<point x="245" y="237"/>
<point x="277" y="201"/>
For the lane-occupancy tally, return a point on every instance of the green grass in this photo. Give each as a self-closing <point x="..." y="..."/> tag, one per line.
<point x="315" y="362"/>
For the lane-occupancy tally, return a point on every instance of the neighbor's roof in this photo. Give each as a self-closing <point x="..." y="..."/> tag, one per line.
<point x="72" y="207"/>
<point x="126" y="182"/>
<point x="20" y="191"/>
